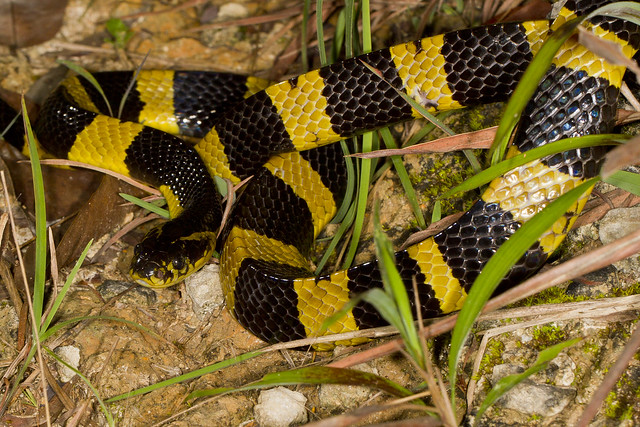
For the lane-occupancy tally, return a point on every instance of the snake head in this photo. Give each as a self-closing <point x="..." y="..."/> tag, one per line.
<point x="163" y="259"/>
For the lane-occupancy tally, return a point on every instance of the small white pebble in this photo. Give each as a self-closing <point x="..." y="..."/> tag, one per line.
<point x="232" y="11"/>
<point x="71" y="355"/>
<point x="280" y="407"/>
<point x="205" y="291"/>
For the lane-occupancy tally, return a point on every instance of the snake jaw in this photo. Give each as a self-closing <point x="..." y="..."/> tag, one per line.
<point x="161" y="259"/>
<point x="148" y="271"/>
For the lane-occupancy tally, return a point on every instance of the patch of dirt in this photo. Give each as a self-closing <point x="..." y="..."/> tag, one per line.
<point x="131" y="337"/>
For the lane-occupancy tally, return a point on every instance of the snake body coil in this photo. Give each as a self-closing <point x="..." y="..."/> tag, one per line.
<point x="281" y="136"/>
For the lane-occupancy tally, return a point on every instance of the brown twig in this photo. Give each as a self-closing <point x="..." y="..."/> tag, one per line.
<point x="581" y="265"/>
<point x="43" y="380"/>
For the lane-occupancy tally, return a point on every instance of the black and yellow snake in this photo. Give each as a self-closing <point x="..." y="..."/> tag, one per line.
<point x="281" y="137"/>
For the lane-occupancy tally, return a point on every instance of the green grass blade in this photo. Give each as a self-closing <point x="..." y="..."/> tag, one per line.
<point x="41" y="222"/>
<point x="351" y="185"/>
<point x="504" y="166"/>
<point x="10" y="125"/>
<point x="322" y="50"/>
<point x="87" y="75"/>
<point x="386" y="306"/>
<point x="339" y="38"/>
<point x="366" y="166"/>
<point x="65" y="288"/>
<point x="627" y="10"/>
<point x="188" y="376"/>
<point x="510" y="381"/>
<point x="527" y="86"/>
<point x="146" y="205"/>
<point x="499" y="264"/>
<point x="129" y="88"/>
<point x="335" y="240"/>
<point x="366" y="27"/>
<point x="395" y="288"/>
<point x="361" y="200"/>
<point x="436" y="215"/>
<point x="628" y="181"/>
<point x="314" y="375"/>
<point x="349" y="7"/>
<point x="61" y="325"/>
<point x="367" y="139"/>
<point x="304" y="57"/>
<point x="409" y="191"/>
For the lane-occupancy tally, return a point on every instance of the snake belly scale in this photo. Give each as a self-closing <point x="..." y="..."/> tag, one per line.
<point x="281" y="136"/>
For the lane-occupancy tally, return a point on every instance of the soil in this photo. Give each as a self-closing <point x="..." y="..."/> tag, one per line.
<point x="132" y="337"/>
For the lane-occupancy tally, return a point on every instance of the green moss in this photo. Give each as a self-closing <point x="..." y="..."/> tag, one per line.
<point x="622" y="402"/>
<point x="534" y="418"/>
<point x="591" y="347"/>
<point x="492" y="357"/>
<point x="557" y="295"/>
<point x="476" y="119"/>
<point x="442" y="174"/>
<point x="624" y="292"/>
<point x="554" y="295"/>
<point x="546" y="336"/>
<point x="578" y="375"/>
<point x="614" y="407"/>
<point x="568" y="248"/>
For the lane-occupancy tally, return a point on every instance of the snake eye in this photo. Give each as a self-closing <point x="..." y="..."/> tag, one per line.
<point x="178" y="263"/>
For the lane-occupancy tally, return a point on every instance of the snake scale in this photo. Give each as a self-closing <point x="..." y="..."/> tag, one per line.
<point x="281" y="136"/>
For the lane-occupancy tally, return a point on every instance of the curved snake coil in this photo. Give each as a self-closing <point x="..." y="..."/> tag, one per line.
<point x="282" y="135"/>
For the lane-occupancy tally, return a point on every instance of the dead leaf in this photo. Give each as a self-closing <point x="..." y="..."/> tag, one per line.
<point x="104" y="211"/>
<point x="606" y="49"/>
<point x="30" y="22"/>
<point x="621" y="157"/>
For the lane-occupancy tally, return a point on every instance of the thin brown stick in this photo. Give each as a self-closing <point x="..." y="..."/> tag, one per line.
<point x="579" y="266"/>
<point x="79" y="413"/>
<point x="124" y="230"/>
<point x="128" y="180"/>
<point x="576" y="267"/>
<point x="173" y="9"/>
<point x="253" y="20"/>
<point x="43" y="380"/>
<point x="470" y="140"/>
<point x="54" y="276"/>
<point x="10" y="286"/>
<point x="62" y="395"/>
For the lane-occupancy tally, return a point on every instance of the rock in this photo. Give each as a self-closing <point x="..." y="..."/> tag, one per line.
<point x="71" y="355"/>
<point x="229" y="11"/>
<point x="205" y="291"/>
<point x="562" y="371"/>
<point x="280" y="407"/>
<point x="530" y="397"/>
<point x="131" y="292"/>
<point x="334" y="396"/>
<point x="618" y="223"/>
<point x="8" y="331"/>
